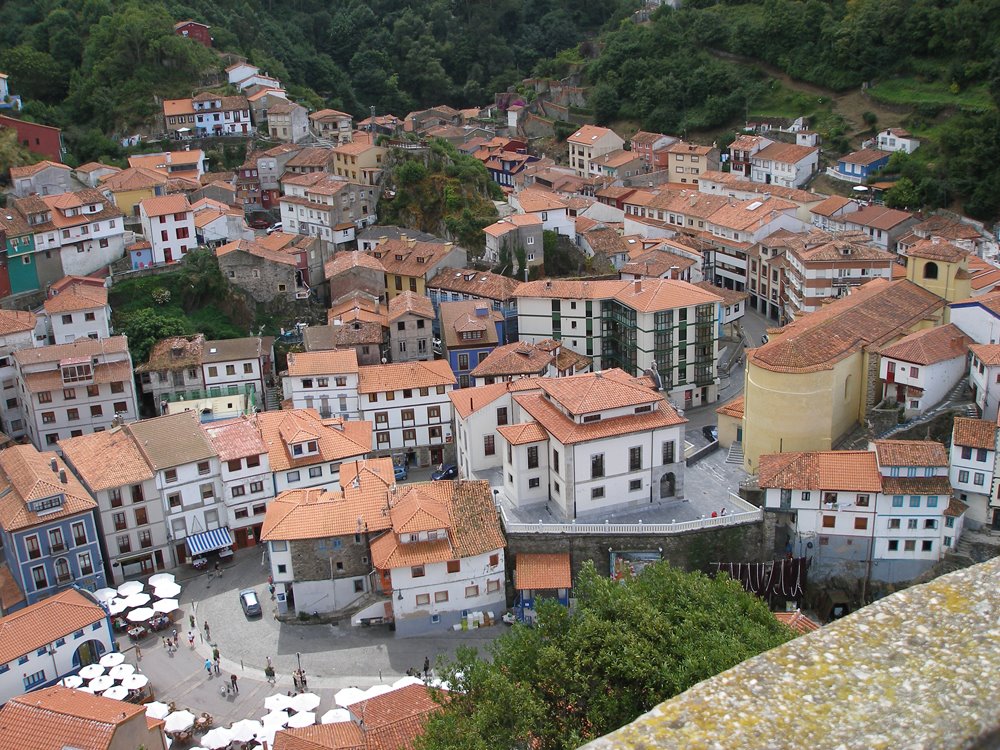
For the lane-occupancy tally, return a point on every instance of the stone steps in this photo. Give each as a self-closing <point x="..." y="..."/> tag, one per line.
<point x="735" y="455"/>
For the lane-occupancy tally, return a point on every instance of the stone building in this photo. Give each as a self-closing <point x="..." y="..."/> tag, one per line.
<point x="264" y="274"/>
<point x="353" y="272"/>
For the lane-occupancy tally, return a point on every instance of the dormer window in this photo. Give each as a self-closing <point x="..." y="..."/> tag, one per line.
<point x="591" y="418"/>
<point x="77" y="373"/>
<point x="307" y="448"/>
<point x="46" y="504"/>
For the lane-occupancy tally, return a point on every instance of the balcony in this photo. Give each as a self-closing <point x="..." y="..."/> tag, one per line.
<point x="64" y="578"/>
<point x="60" y="547"/>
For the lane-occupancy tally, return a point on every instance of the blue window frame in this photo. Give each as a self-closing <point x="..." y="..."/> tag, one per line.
<point x="22" y="660"/>
<point x="4" y="668"/>
<point x="911" y="471"/>
<point x="40" y="652"/>
<point x="96" y="625"/>
<point x="33" y="680"/>
<point x="932" y="501"/>
<point x="914" y="501"/>
<point x="78" y="634"/>
<point x="897" y="501"/>
<point x="61" y="642"/>
<point x="894" y="471"/>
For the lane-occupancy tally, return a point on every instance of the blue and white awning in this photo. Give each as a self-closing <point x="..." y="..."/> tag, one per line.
<point x="208" y="541"/>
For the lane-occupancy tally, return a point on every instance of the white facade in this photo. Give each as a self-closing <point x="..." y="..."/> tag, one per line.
<point x="784" y="173"/>
<point x="933" y="381"/>
<point x="67" y="327"/>
<point x="984" y="377"/>
<point x="133" y="521"/>
<point x="409" y="418"/>
<point x="87" y="246"/>
<point x="587" y="144"/>
<point x="236" y="371"/>
<point x="192" y="497"/>
<point x="888" y="140"/>
<point x="171" y="236"/>
<point x="247" y="487"/>
<point x="976" y="321"/>
<point x="477" y="586"/>
<point x="241" y="71"/>
<point x="10" y="407"/>
<point x="332" y="394"/>
<point x="972" y="472"/>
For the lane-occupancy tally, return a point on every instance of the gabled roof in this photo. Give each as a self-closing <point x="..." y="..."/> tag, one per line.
<point x="910" y="453"/>
<point x="257" y="250"/>
<point x="410" y="303"/>
<point x="106" y="459"/>
<point x="849" y="471"/>
<point x="974" y="433"/>
<point x="865" y="156"/>
<point x="877" y="217"/>
<point x="734" y="408"/>
<point x="79" y="348"/>
<point x="523" y="433"/>
<point x="589" y="134"/>
<point x="331" y="115"/>
<point x="474" y="283"/>
<point x="164" y="205"/>
<point x="403" y="375"/>
<point x="32" y="169"/>
<point x="599" y="391"/>
<point x="44" y="622"/>
<point x="786" y="153"/>
<point x="568" y="432"/>
<point x="235" y="438"/>
<point x="347" y="262"/>
<point x="467" y="401"/>
<point x="133" y="178"/>
<point x="466" y="316"/>
<point x="28" y="475"/>
<point x="931" y="345"/>
<point x="542" y="571"/>
<point x="935" y="249"/>
<point x="77" y="297"/>
<point x="172" y="440"/>
<point x="322" y="363"/>
<point x="532" y="201"/>
<point x="830" y="206"/>
<point x="16" y="321"/>
<point x="340" y="735"/>
<point x="338" y="439"/>
<point x="870" y="316"/>
<point x="174" y="353"/>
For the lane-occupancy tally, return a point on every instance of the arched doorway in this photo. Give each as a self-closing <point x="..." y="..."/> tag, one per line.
<point x="668" y="485"/>
<point x="87" y="652"/>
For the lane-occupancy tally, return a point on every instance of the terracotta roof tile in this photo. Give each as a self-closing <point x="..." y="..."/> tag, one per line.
<point x="167" y="204"/>
<point x="532" y="201"/>
<point x="410" y="303"/>
<point x="467" y="401"/>
<point x="11" y="596"/>
<point x="338" y="439"/>
<point x="322" y="363"/>
<point x="870" y="316"/>
<point x="936" y="249"/>
<point x="930" y="345"/>
<point x="411" y="257"/>
<point x="830" y="206"/>
<point x="77" y="297"/>
<point x="974" y="433"/>
<point x="347" y="262"/>
<point x="593" y="392"/>
<point x="787" y="153"/>
<point x="341" y="735"/>
<point x="16" y="321"/>
<point x="32" y="169"/>
<point x="797" y="621"/>
<point x="910" y="453"/>
<point x="878" y="217"/>
<point x="29" y="475"/>
<point x="916" y="486"/>
<point x="172" y="440"/>
<point x="649" y="295"/>
<point x="956" y="507"/>
<point x="950" y="229"/>
<point x="524" y="433"/>
<point x="236" y="438"/>
<point x="106" y="459"/>
<point x="403" y="375"/>
<point x="458" y="318"/>
<point x="733" y="409"/>
<point x="256" y="249"/>
<point x="849" y="471"/>
<point x="542" y="570"/>
<point x="474" y="283"/>
<point x="174" y="353"/>
<point x="340" y="336"/>
<point x="988" y="353"/>
<point x="44" y="622"/>
<point x="509" y="360"/>
<point x="133" y="178"/>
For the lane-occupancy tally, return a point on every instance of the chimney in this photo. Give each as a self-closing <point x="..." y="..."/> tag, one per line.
<point x="62" y="476"/>
<point x="637" y="286"/>
<point x="53" y="465"/>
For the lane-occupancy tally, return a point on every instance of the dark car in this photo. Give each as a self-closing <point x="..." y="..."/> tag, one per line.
<point x="250" y="603"/>
<point x="446" y="472"/>
<point x="259" y="223"/>
<point x="710" y="432"/>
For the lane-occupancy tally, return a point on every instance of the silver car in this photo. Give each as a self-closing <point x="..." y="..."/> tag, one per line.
<point x="250" y="603"/>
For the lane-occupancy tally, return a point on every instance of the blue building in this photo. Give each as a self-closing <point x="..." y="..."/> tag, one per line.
<point x="469" y="332"/>
<point x="540" y="576"/>
<point x="48" y="525"/>
<point x="860" y="165"/>
<point x="459" y="284"/>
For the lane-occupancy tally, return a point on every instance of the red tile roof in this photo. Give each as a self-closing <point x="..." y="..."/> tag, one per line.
<point x="341" y="735"/>
<point x="598" y="391"/>
<point x="235" y="438"/>
<point x="404" y="375"/>
<point x="935" y="249"/>
<point x="864" y="156"/>
<point x="974" y="433"/>
<point x="106" y="459"/>
<point x="523" y="433"/>
<point x="910" y="453"/>
<point x="338" y="439"/>
<point x="850" y="471"/>
<point x="332" y="362"/>
<point x="930" y="345"/>
<point x="797" y="621"/>
<point x="16" y="321"/>
<point x="44" y="622"/>
<point x="166" y="204"/>
<point x="29" y="476"/>
<point x="733" y="409"/>
<point x="542" y="570"/>
<point x="410" y="303"/>
<point x="988" y="353"/>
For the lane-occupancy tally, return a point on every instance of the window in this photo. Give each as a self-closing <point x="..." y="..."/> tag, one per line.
<point x="861" y="523"/>
<point x="204" y="467"/>
<point x="93" y="391"/>
<point x="471" y="591"/>
<point x="533" y="483"/>
<point x="417" y="571"/>
<point x="253" y="461"/>
<point x="502" y="415"/>
<point x="533" y="457"/>
<point x="170" y="475"/>
<point x="69" y="394"/>
<point x="207" y="491"/>
<point x="382" y="438"/>
<point x="45" y="397"/>
<point x="292" y="476"/>
<point x="454" y="566"/>
<point x="315" y="471"/>
<point x="36" y="678"/>
<point x="596" y="493"/>
<point x="930" y="523"/>
<point x="409" y="436"/>
<point x="555" y="460"/>
<point x="932" y="501"/>
<point x="79" y="533"/>
<point x="909" y="545"/>
<point x="48" y="417"/>
<point x="949" y="522"/>
<point x="897" y="501"/>
<point x="635" y="458"/>
<point x="926" y="546"/>
<point x="911" y="524"/>
<point x="914" y="501"/>
<point x="124" y="544"/>
<point x="489" y="445"/>
<point x="440" y="596"/>
<point x="463" y="361"/>
<point x="597" y="466"/>
<point x="256" y="487"/>
<point x="407" y="415"/>
<point x="118" y="519"/>
<point x="980" y="454"/>
<point x="140" y="517"/>
<point x="893" y="523"/>
<point x="423" y="600"/>
<point x="829" y="522"/>
<point x="963" y="476"/>
<point x="174" y="500"/>
<point x="118" y="387"/>
<point x="433" y="412"/>
<point x="978" y="478"/>
<point x="120" y="407"/>
<point x="668" y="452"/>
<point x="894" y="545"/>
<point x="863" y="501"/>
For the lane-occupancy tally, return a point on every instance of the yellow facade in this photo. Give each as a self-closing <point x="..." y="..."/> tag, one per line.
<point x="392" y="290"/>
<point x="128" y="201"/>
<point x="949" y="280"/>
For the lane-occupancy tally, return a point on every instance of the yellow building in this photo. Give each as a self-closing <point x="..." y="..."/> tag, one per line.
<point x="940" y="267"/>
<point x="359" y="160"/>
<point x="409" y="263"/>
<point x="817" y="377"/>
<point x="132" y="186"/>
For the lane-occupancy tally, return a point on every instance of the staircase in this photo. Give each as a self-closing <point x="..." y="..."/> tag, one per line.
<point x="735" y="455"/>
<point x="857" y="439"/>
<point x="272" y="399"/>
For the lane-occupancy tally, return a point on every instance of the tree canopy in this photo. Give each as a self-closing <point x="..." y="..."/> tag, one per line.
<point x="577" y="675"/>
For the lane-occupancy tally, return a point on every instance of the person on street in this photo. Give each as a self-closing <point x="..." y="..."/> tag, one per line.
<point x="138" y="653"/>
<point x="207" y="631"/>
<point x="208" y="667"/>
<point x="427" y="667"/>
<point x="191" y="638"/>
<point x="217" y="665"/>
<point x="232" y="679"/>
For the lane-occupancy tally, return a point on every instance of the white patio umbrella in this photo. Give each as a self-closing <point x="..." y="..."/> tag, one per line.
<point x="302" y="719"/>
<point x="376" y="690"/>
<point x="266" y="734"/>
<point x="91" y="671"/>
<point x="137" y="600"/>
<point x="73" y="681"/>
<point x="245" y="730"/>
<point x="112" y="660"/>
<point x="167" y="590"/>
<point x="217" y="738"/>
<point x="135" y="682"/>
<point x="117" y="693"/>
<point x="178" y="721"/>
<point x="87" y="689"/>
<point x="130" y="587"/>
<point x="305" y="702"/>
<point x="404" y="681"/>
<point x="278" y="702"/>
<point x="120" y="671"/>
<point x="165" y="606"/>
<point x="117" y="606"/>
<point x="102" y="683"/>
<point x="140" y="615"/>
<point x="160" y="578"/>
<point x="275" y="719"/>
<point x="347" y="696"/>
<point x="334" y="715"/>
<point x="157" y="710"/>
<point x="105" y="595"/>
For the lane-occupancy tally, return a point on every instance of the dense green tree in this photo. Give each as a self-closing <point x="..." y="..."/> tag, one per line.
<point x="147" y="326"/>
<point x="577" y="675"/>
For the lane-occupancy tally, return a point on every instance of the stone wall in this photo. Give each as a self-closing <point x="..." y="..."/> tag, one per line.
<point x="695" y="550"/>
<point x="317" y="559"/>
<point x="917" y="669"/>
<point x="259" y="277"/>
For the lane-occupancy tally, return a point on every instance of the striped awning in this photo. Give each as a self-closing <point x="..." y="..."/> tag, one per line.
<point x="208" y="541"/>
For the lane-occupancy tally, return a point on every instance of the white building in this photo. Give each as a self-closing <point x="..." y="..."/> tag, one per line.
<point x="77" y="308"/>
<point x="784" y="164"/>
<point x="306" y="450"/>
<point x="17" y="331"/>
<point x="920" y="369"/>
<point x="662" y="325"/>
<point x="168" y="226"/>
<point x="549" y="207"/>
<point x="51" y="639"/>
<point x="979" y="318"/>
<point x="234" y="366"/>
<point x="408" y="407"/>
<point x="896" y="139"/>
<point x="241" y="71"/>
<point x="885" y="513"/>
<point x="984" y="378"/>
<point x="247" y="481"/>
<point x="586" y="144"/>
<point x="326" y="381"/>
<point x="132" y="516"/>
<point x="67" y="390"/>
<point x="972" y="468"/>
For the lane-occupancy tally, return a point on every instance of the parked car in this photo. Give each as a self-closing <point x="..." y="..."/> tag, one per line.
<point x="274" y="228"/>
<point x="710" y="432"/>
<point x="259" y="223"/>
<point x="446" y="472"/>
<point x="250" y="603"/>
<point x="400" y="472"/>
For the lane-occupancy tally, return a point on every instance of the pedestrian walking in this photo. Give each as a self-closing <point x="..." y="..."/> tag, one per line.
<point x="166" y="642"/>
<point x="427" y="667"/>
<point x="191" y="620"/>
<point x="268" y="660"/>
<point x="215" y="653"/>
<point x="217" y="571"/>
<point x="232" y="679"/>
<point x="207" y="631"/>
<point x="191" y="638"/>
<point x="175" y="636"/>
<point x="217" y="670"/>
<point x="208" y="667"/>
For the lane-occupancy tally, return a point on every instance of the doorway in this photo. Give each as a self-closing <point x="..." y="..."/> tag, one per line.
<point x="87" y="652"/>
<point x="668" y="485"/>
